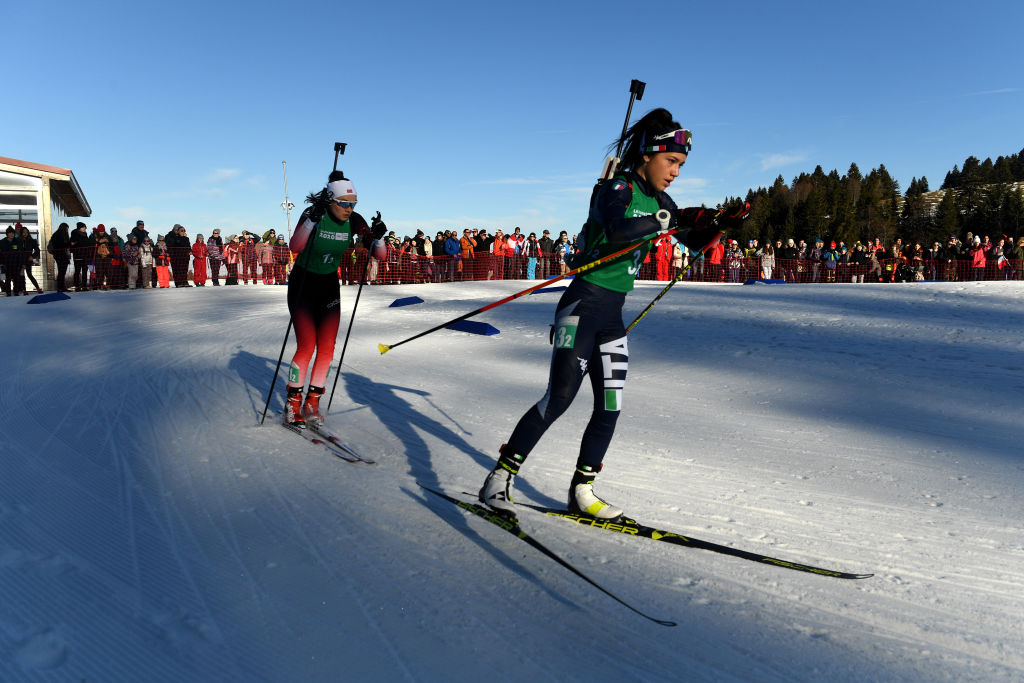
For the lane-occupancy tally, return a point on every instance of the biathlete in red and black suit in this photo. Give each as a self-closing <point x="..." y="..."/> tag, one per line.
<point x="314" y="293"/>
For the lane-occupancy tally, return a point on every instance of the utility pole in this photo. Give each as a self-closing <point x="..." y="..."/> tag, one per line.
<point x="287" y="205"/>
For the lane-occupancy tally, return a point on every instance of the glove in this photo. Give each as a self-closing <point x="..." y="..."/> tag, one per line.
<point x="697" y="217"/>
<point x="377" y="227"/>
<point x="703" y="226"/>
<point x="319" y="204"/>
<point x="734" y="219"/>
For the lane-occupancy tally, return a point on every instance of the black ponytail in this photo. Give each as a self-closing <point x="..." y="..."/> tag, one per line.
<point x="654" y="122"/>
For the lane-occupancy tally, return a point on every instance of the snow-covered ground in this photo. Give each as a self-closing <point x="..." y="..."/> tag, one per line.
<point x="151" y="531"/>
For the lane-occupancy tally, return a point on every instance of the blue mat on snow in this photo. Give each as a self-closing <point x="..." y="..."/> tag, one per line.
<point x="473" y="327"/>
<point x="548" y="289"/>
<point x="47" y="298"/>
<point x="407" y="301"/>
<point x="762" y="281"/>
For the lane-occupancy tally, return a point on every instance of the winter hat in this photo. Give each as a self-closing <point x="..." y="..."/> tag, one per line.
<point x="818" y="240"/>
<point x="833" y="246"/>
<point x="80" y="224"/>
<point x="977" y="240"/>
<point x="340" y="188"/>
<point x="100" y="228"/>
<point x="138" y="223"/>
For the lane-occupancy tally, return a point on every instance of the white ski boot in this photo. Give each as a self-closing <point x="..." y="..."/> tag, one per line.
<point x="583" y="500"/>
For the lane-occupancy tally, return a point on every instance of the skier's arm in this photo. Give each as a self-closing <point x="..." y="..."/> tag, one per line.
<point x="610" y="207"/>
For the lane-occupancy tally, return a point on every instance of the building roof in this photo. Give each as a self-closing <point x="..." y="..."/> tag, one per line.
<point x="65" y="192"/>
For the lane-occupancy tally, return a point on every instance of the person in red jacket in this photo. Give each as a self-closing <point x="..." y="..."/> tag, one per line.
<point x="715" y="255"/>
<point x="199" y="254"/>
<point x="663" y="259"/>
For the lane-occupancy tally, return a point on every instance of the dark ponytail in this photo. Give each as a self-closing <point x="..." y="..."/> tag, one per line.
<point x="654" y="122"/>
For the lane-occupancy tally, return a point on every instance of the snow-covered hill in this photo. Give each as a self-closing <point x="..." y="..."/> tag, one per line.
<point x="150" y="530"/>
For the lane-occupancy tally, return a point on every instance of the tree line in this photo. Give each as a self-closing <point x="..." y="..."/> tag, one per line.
<point x="981" y="197"/>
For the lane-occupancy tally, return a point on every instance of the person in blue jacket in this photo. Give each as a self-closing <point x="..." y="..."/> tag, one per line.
<point x="453" y="249"/>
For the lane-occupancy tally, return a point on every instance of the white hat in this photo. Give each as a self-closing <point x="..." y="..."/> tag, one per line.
<point x="340" y="188"/>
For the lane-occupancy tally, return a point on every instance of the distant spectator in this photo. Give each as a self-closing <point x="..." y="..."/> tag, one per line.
<point x="734" y="260"/>
<point x="29" y="253"/>
<point x="788" y="255"/>
<point x="496" y="269"/>
<point x="232" y="257"/>
<point x="81" y="252"/>
<point x="565" y="252"/>
<point x="829" y="257"/>
<point x="131" y="260"/>
<point x="118" y="272"/>
<point x="10" y="259"/>
<point x="767" y="255"/>
<point x="162" y="262"/>
<point x="1018" y="259"/>
<point x="199" y="255"/>
<point x="531" y="252"/>
<point x="977" y="252"/>
<point x="247" y="249"/>
<point x="265" y="256"/>
<point x="281" y="257"/>
<point x="147" y="262"/>
<point x="102" y="257"/>
<point x="677" y="260"/>
<point x="547" y="247"/>
<point x="60" y="248"/>
<point x="215" y="251"/>
<point x="179" y="249"/>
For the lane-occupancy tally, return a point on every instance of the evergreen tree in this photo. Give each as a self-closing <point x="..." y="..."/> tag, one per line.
<point x="947" y="216"/>
<point x="952" y="180"/>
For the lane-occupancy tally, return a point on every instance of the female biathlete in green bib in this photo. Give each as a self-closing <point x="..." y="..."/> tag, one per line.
<point x="314" y="292"/>
<point x="589" y="337"/>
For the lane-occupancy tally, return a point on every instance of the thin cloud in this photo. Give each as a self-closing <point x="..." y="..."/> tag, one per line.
<point x="997" y="91"/>
<point x="222" y="175"/>
<point x="130" y="213"/>
<point x="780" y="160"/>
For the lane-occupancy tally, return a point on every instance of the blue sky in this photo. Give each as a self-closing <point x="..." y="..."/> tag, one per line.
<point x="481" y="115"/>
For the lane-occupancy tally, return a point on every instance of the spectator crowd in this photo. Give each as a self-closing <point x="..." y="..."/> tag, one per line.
<point x="99" y="259"/>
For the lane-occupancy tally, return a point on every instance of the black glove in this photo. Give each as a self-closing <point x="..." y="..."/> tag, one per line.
<point x="703" y="226"/>
<point x="734" y="219"/>
<point x="319" y="204"/>
<point x="377" y="227"/>
<point x="697" y="217"/>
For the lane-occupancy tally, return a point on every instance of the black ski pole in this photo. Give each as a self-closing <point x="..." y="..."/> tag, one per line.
<point x="677" y="278"/>
<point x="337" y="373"/>
<point x="339" y="148"/>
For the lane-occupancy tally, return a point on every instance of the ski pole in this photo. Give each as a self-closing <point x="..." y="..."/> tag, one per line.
<point x="674" y="280"/>
<point x="384" y="348"/>
<point x="344" y="346"/>
<point x="339" y="148"/>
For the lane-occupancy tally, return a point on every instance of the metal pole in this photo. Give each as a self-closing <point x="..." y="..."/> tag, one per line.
<point x="287" y="205"/>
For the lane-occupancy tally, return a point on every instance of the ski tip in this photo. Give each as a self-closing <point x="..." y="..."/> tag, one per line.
<point x="383" y="348"/>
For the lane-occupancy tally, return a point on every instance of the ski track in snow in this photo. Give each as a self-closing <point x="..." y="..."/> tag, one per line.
<point x="151" y="530"/>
